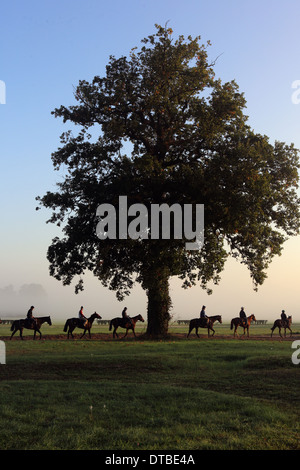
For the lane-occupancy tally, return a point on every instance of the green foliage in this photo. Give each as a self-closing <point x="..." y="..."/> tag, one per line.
<point x="190" y="143"/>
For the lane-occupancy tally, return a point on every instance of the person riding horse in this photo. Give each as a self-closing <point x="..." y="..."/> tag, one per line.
<point x="203" y="316"/>
<point x="284" y="317"/>
<point x="126" y="317"/>
<point x="82" y="317"/>
<point x="243" y="317"/>
<point x="30" y="318"/>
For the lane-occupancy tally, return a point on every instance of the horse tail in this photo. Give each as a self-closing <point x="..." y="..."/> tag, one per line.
<point x="66" y="326"/>
<point x="13" y="325"/>
<point x="231" y="325"/>
<point x="110" y="325"/>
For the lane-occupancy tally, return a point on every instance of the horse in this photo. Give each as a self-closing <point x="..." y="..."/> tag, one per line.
<point x="34" y="324"/>
<point x="202" y="323"/>
<point x="282" y="324"/>
<point x="235" y="322"/>
<point x="86" y="325"/>
<point x="124" y="323"/>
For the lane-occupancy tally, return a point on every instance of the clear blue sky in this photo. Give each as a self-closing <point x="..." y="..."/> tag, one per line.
<point x="46" y="47"/>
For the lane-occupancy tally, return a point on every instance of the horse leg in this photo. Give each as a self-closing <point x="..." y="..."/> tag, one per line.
<point x="37" y="330"/>
<point x="70" y="332"/>
<point x="197" y="331"/>
<point x="21" y="331"/>
<point x="210" y="328"/>
<point x="85" y="330"/>
<point x="287" y="328"/>
<point x="13" y="333"/>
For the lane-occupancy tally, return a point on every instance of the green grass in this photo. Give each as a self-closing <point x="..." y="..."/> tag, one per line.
<point x="181" y="394"/>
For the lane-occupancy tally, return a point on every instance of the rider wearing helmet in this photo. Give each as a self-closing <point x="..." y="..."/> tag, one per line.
<point x="203" y="315"/>
<point x="243" y="317"/>
<point x="30" y="317"/>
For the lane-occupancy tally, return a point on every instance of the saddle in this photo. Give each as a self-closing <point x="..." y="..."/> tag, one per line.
<point x="83" y="322"/>
<point x="204" y="321"/>
<point x="126" y="320"/>
<point x="29" y="322"/>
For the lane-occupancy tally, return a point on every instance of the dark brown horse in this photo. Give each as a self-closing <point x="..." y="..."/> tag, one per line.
<point x="30" y="324"/>
<point x="286" y="324"/>
<point x="203" y="323"/>
<point x="86" y="325"/>
<point x="124" y="323"/>
<point x="236" y="322"/>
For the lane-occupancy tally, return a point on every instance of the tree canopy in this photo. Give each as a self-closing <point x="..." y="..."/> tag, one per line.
<point x="159" y="127"/>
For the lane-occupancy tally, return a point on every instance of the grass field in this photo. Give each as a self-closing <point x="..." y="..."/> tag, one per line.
<point x="217" y="393"/>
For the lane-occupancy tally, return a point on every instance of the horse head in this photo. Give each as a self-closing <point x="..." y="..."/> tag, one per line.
<point x="96" y="315"/>
<point x="49" y="321"/>
<point x="140" y="318"/>
<point x="252" y="317"/>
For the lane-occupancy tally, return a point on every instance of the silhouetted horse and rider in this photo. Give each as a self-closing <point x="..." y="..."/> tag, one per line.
<point x="284" y="322"/>
<point x="31" y="323"/>
<point x="124" y="322"/>
<point x="81" y="322"/>
<point x="206" y="322"/>
<point x="243" y="322"/>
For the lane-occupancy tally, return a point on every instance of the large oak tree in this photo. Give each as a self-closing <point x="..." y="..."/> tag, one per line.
<point x="159" y="127"/>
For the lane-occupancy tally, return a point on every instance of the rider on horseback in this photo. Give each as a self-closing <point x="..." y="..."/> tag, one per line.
<point x="30" y="318"/>
<point x="243" y="317"/>
<point x="81" y="316"/>
<point x="125" y="316"/>
<point x="203" y="316"/>
<point x="284" y="317"/>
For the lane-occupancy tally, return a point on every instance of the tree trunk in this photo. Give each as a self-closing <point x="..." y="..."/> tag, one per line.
<point x="159" y="303"/>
